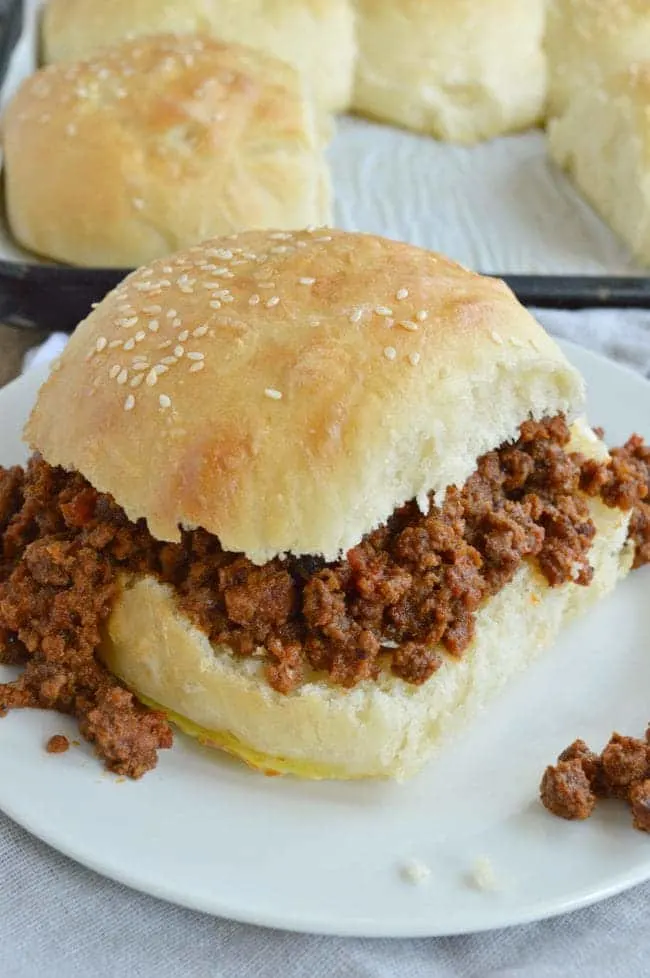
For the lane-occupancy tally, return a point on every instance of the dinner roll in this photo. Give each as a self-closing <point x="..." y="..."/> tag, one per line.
<point x="462" y="71"/>
<point x="157" y="144"/>
<point x="343" y="375"/>
<point x="603" y="142"/>
<point x="586" y="40"/>
<point x="315" y="36"/>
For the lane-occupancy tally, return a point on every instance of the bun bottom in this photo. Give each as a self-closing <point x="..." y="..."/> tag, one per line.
<point x="381" y="729"/>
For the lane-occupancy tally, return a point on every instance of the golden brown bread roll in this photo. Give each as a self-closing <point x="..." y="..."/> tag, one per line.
<point x="315" y="36"/>
<point x="156" y="144"/>
<point x="462" y="71"/>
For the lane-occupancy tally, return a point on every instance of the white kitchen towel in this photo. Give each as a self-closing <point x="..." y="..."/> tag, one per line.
<point x="61" y="921"/>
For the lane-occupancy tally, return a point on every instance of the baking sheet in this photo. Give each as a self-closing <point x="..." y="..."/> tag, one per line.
<point x="499" y="207"/>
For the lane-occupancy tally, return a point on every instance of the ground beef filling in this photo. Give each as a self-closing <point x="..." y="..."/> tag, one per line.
<point x="414" y="583"/>
<point x="571" y="787"/>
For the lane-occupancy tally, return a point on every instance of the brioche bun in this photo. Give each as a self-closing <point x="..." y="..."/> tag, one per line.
<point x="315" y="36"/>
<point x="157" y="144"/>
<point x="341" y="375"/>
<point x="461" y="71"/>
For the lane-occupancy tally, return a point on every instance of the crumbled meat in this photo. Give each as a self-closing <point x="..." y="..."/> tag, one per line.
<point x="590" y="761"/>
<point x="409" y="587"/>
<point x="622" y="771"/>
<point x="625" y="484"/>
<point x="58" y="744"/>
<point x="640" y="805"/>
<point x="624" y="761"/>
<point x="565" y="790"/>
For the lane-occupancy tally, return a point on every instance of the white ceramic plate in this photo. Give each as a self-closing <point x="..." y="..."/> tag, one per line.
<point x="204" y="831"/>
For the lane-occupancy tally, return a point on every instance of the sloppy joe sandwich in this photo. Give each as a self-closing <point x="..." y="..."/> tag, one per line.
<point x="311" y="496"/>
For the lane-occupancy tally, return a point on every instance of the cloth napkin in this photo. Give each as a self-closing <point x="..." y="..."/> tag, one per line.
<point x="62" y="921"/>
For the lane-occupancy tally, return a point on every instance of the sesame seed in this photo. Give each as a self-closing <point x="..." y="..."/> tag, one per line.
<point x="227" y="274"/>
<point x="128" y="322"/>
<point x="200" y="331"/>
<point x="196" y="356"/>
<point x="122" y="377"/>
<point x="177" y="322"/>
<point x="402" y="294"/>
<point x="113" y="345"/>
<point x="172" y="314"/>
<point x="168" y="270"/>
<point x="273" y="394"/>
<point x="414" y="359"/>
<point x="390" y="352"/>
<point x="137" y="380"/>
<point x="187" y="289"/>
<point x="152" y="377"/>
<point x="114" y="371"/>
<point x="140" y="365"/>
<point x="211" y="285"/>
<point x="162" y="368"/>
<point x="276" y="250"/>
<point x="215" y="304"/>
<point x="179" y="351"/>
<point x="266" y="285"/>
<point x="152" y="310"/>
<point x="129" y="403"/>
<point x="185" y="335"/>
<point x="199" y="365"/>
<point x="356" y="316"/>
<point x="129" y="344"/>
<point x="422" y="315"/>
<point x="164" y="401"/>
<point x="217" y="271"/>
<point x="228" y="298"/>
<point x="154" y="326"/>
<point x="165" y="345"/>
<point x="126" y="308"/>
<point x="383" y="311"/>
<point x="273" y="301"/>
<point x="497" y="337"/>
<point x="140" y="335"/>
<point x="254" y="300"/>
<point x="280" y="236"/>
<point x="306" y="281"/>
<point x="101" y="344"/>
<point x="138" y="203"/>
<point x="408" y="324"/>
<point x="516" y="341"/>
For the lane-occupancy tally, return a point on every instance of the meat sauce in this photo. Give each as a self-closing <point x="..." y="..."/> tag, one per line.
<point x="413" y="584"/>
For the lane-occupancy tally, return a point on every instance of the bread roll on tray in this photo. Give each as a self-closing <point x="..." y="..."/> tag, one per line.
<point x="315" y="36"/>
<point x="461" y="71"/>
<point x="157" y="144"/>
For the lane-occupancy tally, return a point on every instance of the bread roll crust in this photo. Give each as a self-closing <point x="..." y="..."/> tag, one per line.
<point x="156" y="145"/>
<point x="315" y="36"/>
<point x="383" y="728"/>
<point x="340" y="376"/>
<point x="462" y="71"/>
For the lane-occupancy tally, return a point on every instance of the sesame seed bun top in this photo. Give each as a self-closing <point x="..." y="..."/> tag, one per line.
<point x="286" y="391"/>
